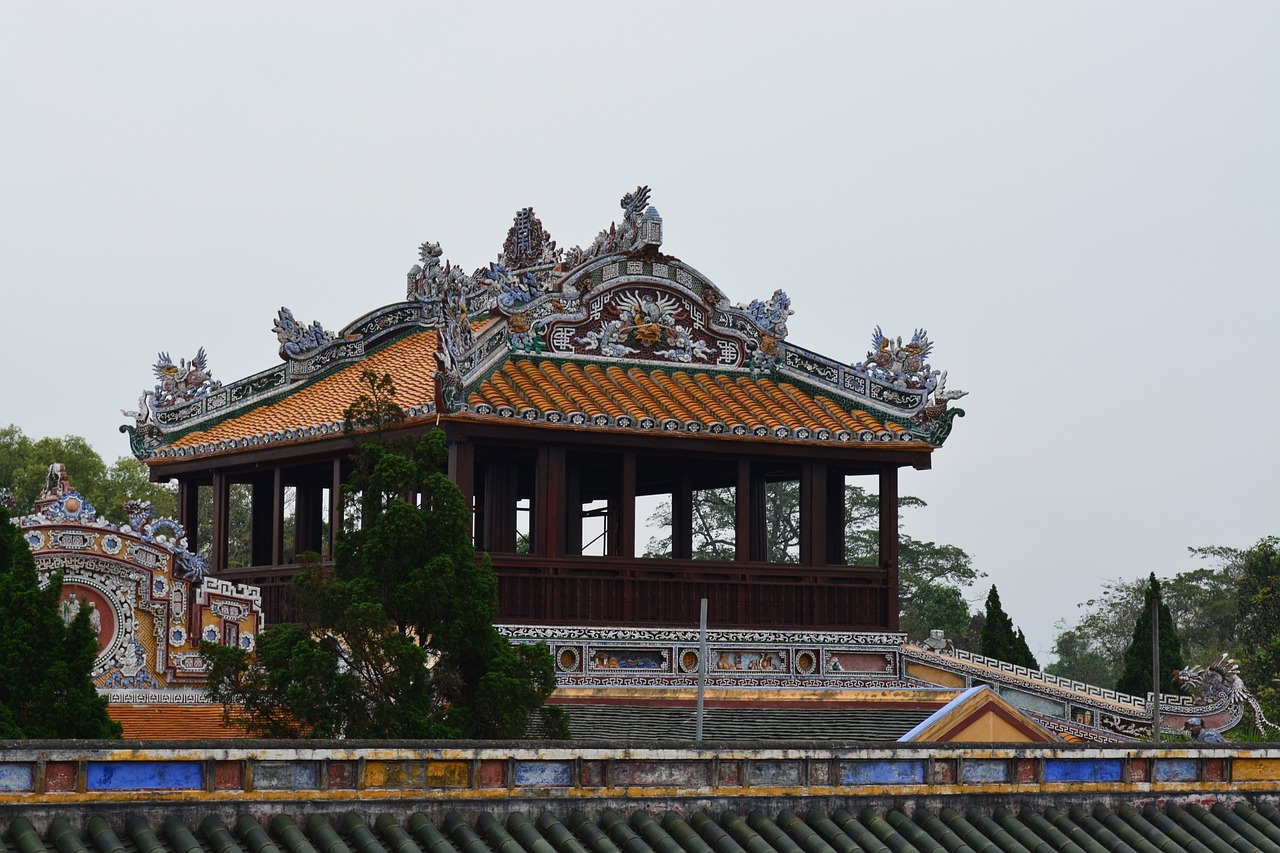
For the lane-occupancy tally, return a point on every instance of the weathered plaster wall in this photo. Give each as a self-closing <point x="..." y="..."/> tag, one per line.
<point x="40" y="779"/>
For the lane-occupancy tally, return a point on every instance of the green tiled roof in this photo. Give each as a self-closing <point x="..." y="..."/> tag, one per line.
<point x="1067" y="827"/>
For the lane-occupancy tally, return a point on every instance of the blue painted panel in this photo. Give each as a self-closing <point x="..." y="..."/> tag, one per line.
<point x="544" y="773"/>
<point x="1083" y="769"/>
<point x="285" y="776"/>
<point x="144" y="775"/>
<point x="983" y="771"/>
<point x="17" y="777"/>
<point x="1177" y="770"/>
<point x="886" y="772"/>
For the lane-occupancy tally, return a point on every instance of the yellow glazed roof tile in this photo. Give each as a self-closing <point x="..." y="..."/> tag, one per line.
<point x="410" y="361"/>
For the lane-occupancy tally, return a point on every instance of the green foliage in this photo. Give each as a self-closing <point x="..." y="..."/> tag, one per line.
<point x="1258" y="604"/>
<point x="932" y="578"/>
<point x="45" y="686"/>
<point x="1135" y="676"/>
<point x="1000" y="639"/>
<point x="1079" y="660"/>
<point x="399" y="642"/>
<point x="24" y="465"/>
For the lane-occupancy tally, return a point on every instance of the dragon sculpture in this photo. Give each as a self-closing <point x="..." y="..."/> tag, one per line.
<point x="1220" y="680"/>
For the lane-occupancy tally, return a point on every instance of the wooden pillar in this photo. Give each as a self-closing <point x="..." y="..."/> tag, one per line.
<point x="682" y="519"/>
<point x="335" y="506"/>
<point x="462" y="471"/>
<point x="742" y="513"/>
<point x="627" y="507"/>
<point x="189" y="513"/>
<point x="572" y="508"/>
<point x="813" y="514"/>
<point x="549" y="502"/>
<point x="308" y="517"/>
<point x="499" y="522"/>
<point x="758" y="528"/>
<point x="218" y="544"/>
<point x="889" y="544"/>
<point x="277" y="516"/>
<point x="836" y="519"/>
<point x="265" y="500"/>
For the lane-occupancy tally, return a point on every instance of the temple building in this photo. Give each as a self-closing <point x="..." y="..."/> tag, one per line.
<point x="579" y="388"/>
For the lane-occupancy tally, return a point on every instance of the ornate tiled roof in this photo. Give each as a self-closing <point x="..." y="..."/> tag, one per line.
<point x="614" y="335"/>
<point x="315" y="410"/>
<point x="674" y="400"/>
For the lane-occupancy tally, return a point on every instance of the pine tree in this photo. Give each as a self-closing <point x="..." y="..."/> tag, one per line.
<point x="400" y="641"/>
<point x="1135" y="678"/>
<point x="999" y="639"/>
<point x="46" y="688"/>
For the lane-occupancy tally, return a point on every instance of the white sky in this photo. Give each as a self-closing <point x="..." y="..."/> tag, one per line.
<point x="1080" y="201"/>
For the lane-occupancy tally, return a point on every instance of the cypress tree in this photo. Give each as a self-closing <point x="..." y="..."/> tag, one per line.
<point x="1135" y="678"/>
<point x="46" y="686"/>
<point x="999" y="639"/>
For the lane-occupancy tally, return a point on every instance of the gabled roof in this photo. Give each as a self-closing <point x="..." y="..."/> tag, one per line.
<point x="979" y="715"/>
<point x="615" y="336"/>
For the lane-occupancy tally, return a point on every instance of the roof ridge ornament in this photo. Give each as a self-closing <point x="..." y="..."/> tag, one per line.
<point x="295" y="338"/>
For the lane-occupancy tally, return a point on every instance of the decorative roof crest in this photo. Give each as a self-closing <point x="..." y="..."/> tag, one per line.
<point x="296" y="339"/>
<point x="182" y="382"/>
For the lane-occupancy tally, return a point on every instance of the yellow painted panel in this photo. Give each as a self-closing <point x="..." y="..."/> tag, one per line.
<point x="1256" y="769"/>
<point x="448" y="774"/>
<point x="933" y="675"/>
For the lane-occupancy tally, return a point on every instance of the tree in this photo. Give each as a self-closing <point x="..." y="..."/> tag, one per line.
<point x="24" y="465"/>
<point x="1078" y="659"/>
<point x="932" y="578"/>
<point x="400" y="641"/>
<point x="46" y="688"/>
<point x="1135" y="676"/>
<point x="1000" y="639"/>
<point x="1258" y="607"/>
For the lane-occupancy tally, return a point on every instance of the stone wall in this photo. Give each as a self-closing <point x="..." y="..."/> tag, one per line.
<point x="265" y="777"/>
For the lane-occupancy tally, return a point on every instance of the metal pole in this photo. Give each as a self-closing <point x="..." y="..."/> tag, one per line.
<point x="1155" y="668"/>
<point x="702" y="669"/>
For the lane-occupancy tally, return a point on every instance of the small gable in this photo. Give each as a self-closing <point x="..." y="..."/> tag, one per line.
<point x="979" y="715"/>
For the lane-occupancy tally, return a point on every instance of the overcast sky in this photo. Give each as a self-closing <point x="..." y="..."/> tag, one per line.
<point x="1080" y="202"/>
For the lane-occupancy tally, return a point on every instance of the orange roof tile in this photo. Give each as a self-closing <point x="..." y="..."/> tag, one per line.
<point x="735" y="403"/>
<point x="410" y="361"/>
<point x="173" y="722"/>
<point x="607" y="395"/>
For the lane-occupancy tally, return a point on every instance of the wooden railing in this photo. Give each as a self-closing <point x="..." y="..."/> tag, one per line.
<point x="598" y="590"/>
<point x="606" y="591"/>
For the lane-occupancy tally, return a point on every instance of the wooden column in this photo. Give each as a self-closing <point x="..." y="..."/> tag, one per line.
<point x="308" y="517"/>
<point x="549" y="502"/>
<point x="264" y="502"/>
<point x="189" y="513"/>
<point x="836" y="519"/>
<point x="462" y="470"/>
<point x="335" y="506"/>
<point x="277" y="516"/>
<point x="682" y="519"/>
<point x="742" y="513"/>
<point x="627" y="507"/>
<point x="499" y="522"/>
<point x="758" y="528"/>
<point x="813" y="514"/>
<point x="218" y="544"/>
<point x="572" y="511"/>
<point x="889" y="543"/>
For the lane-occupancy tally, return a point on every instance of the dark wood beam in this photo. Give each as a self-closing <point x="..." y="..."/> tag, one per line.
<point x="889" y="542"/>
